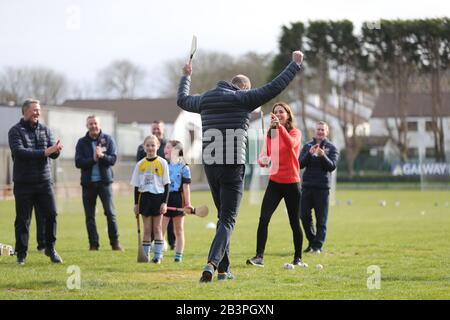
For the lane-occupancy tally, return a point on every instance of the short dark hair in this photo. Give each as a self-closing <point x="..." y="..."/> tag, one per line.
<point x="28" y="102"/>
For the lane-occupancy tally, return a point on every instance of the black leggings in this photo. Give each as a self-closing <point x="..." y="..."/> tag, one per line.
<point x="272" y="197"/>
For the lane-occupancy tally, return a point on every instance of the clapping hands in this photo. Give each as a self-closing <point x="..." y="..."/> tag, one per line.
<point x="56" y="148"/>
<point x="317" y="151"/>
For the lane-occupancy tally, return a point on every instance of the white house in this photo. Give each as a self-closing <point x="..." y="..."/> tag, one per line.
<point x="419" y="123"/>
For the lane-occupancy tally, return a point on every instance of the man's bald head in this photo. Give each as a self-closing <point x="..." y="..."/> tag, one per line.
<point x="242" y="82"/>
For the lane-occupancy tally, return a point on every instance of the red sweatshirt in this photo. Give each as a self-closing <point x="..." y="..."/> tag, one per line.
<point x="283" y="151"/>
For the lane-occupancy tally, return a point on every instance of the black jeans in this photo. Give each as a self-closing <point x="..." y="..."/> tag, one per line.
<point x="171" y="234"/>
<point x="40" y="228"/>
<point x="272" y="197"/>
<point x="41" y="197"/>
<point x="90" y="194"/>
<point x="316" y="199"/>
<point x="227" y="185"/>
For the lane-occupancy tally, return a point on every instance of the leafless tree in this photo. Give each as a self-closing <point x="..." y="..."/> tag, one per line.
<point x="19" y="83"/>
<point x="121" y="78"/>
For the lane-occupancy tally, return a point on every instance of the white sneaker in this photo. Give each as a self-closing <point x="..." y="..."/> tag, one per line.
<point x="299" y="263"/>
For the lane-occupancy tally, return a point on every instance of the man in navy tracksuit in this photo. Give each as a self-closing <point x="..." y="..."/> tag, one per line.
<point x="225" y="113"/>
<point x="32" y="145"/>
<point x="318" y="158"/>
<point x="95" y="155"/>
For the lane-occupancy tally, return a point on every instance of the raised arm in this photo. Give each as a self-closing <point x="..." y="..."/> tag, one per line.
<point x="184" y="100"/>
<point x="259" y="96"/>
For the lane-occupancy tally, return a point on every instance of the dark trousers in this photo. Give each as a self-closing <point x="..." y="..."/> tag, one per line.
<point x="227" y="184"/>
<point x="40" y="228"/>
<point x="290" y="192"/>
<point x="316" y="199"/>
<point x="90" y="194"/>
<point x="170" y="234"/>
<point x="41" y="197"/>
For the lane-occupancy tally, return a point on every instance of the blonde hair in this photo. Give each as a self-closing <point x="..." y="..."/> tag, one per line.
<point x="149" y="137"/>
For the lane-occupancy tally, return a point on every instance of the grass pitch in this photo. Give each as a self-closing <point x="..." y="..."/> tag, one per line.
<point x="407" y="240"/>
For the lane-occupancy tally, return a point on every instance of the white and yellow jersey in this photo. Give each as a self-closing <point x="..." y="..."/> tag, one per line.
<point x="151" y="175"/>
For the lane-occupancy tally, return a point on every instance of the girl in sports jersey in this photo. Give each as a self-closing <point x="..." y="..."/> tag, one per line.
<point x="151" y="189"/>
<point x="281" y="151"/>
<point x="179" y="193"/>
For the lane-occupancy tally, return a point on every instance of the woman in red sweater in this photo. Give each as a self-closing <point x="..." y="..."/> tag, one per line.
<point x="281" y="151"/>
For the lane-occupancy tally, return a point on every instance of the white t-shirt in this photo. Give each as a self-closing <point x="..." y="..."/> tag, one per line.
<point x="151" y="176"/>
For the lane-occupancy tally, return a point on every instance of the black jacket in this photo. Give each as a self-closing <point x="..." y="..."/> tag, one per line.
<point x="317" y="173"/>
<point x="84" y="157"/>
<point x="227" y="107"/>
<point x="28" y="144"/>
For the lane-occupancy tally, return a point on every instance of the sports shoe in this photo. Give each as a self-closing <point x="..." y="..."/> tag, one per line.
<point x="156" y="261"/>
<point x="316" y="251"/>
<point x="54" y="256"/>
<point x="21" y="259"/>
<point x="207" y="273"/>
<point x="177" y="259"/>
<point x="256" y="261"/>
<point x="299" y="263"/>
<point x="41" y="249"/>
<point x="225" y="276"/>
<point x="93" y="248"/>
<point x="117" y="247"/>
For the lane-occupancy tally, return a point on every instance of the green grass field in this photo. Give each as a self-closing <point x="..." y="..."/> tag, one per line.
<point x="410" y="244"/>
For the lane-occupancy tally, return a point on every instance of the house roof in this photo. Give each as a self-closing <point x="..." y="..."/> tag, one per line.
<point x="133" y="110"/>
<point x="417" y="105"/>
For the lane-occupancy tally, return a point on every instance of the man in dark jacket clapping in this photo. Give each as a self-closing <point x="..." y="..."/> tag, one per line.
<point x="318" y="157"/>
<point x="225" y="113"/>
<point x="95" y="155"/>
<point x="32" y="145"/>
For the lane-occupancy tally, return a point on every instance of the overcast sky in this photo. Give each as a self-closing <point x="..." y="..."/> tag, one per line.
<point x="79" y="37"/>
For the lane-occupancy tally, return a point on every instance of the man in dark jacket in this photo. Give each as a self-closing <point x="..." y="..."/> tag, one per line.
<point x="95" y="155"/>
<point x="225" y="113"/>
<point x="32" y="145"/>
<point x="318" y="158"/>
<point x="158" y="131"/>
